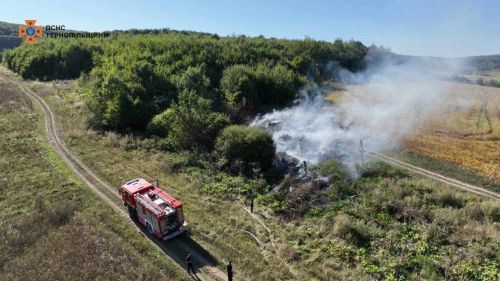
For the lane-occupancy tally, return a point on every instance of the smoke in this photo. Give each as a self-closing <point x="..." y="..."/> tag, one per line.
<point x="382" y="105"/>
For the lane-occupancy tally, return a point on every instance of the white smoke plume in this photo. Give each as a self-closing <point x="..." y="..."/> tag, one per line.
<point x="382" y="106"/>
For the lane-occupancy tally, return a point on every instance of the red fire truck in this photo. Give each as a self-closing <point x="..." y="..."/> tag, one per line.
<point x="157" y="210"/>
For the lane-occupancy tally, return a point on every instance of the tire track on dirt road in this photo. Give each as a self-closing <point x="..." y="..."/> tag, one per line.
<point x="447" y="180"/>
<point x="175" y="249"/>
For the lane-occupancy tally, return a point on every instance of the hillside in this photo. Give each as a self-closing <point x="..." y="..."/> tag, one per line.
<point x="386" y="224"/>
<point x="8" y="36"/>
<point x="176" y="106"/>
<point x="485" y="63"/>
<point x="51" y="225"/>
<point x="472" y="64"/>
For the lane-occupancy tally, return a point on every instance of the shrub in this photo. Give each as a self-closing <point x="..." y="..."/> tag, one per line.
<point x="446" y="198"/>
<point x="177" y="162"/>
<point x="343" y="184"/>
<point x="347" y="228"/>
<point x="274" y="201"/>
<point x="240" y="95"/>
<point x="61" y="214"/>
<point x="189" y="123"/>
<point x="380" y="169"/>
<point x="333" y="169"/>
<point x="248" y="89"/>
<point x="160" y="124"/>
<point x="225" y="184"/>
<point x="250" y="146"/>
<point x="492" y="210"/>
<point x="194" y="79"/>
<point x="111" y="102"/>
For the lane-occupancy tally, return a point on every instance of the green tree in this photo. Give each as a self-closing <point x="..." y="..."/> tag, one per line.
<point x="240" y="95"/>
<point x="194" y="79"/>
<point x="189" y="123"/>
<point x="247" y="90"/>
<point x="250" y="146"/>
<point x="115" y="101"/>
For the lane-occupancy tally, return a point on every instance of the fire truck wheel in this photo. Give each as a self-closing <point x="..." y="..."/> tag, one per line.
<point x="150" y="228"/>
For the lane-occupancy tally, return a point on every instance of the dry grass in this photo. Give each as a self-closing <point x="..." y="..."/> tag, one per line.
<point x="51" y="226"/>
<point x="116" y="159"/>
<point x="10" y="96"/>
<point x="491" y="75"/>
<point x="309" y="246"/>
<point x="465" y="136"/>
<point x="468" y="137"/>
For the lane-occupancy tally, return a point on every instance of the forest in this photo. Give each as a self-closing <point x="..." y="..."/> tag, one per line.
<point x="182" y="87"/>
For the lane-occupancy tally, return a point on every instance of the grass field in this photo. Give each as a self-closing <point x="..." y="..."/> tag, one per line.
<point x="51" y="226"/>
<point x="395" y="227"/>
<point x="467" y="136"/>
<point x="120" y="158"/>
<point x="490" y="75"/>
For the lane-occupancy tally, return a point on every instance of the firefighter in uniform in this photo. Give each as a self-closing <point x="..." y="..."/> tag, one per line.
<point x="189" y="263"/>
<point x="251" y="201"/>
<point x="229" y="268"/>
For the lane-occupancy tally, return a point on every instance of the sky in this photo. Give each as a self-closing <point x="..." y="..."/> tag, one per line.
<point x="447" y="28"/>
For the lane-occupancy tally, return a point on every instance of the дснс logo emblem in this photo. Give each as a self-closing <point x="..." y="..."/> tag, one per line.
<point x="30" y="31"/>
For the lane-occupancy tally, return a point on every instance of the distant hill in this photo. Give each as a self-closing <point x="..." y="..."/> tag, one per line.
<point x="9" y="29"/>
<point x="8" y="36"/>
<point x="471" y="64"/>
<point x="484" y="63"/>
<point x="468" y="65"/>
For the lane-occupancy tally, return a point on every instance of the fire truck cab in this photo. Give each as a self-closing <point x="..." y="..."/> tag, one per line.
<point x="159" y="212"/>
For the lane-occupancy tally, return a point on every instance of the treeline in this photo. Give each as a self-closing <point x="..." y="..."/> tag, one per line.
<point x="51" y="59"/>
<point x="180" y="86"/>
<point x="483" y="63"/>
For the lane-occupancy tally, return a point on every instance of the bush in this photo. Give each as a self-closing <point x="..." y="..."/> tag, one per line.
<point x="160" y="124"/>
<point x="492" y="210"/>
<point x="240" y="95"/>
<point x="246" y="146"/>
<point x="112" y="102"/>
<point x="249" y="89"/>
<point x="376" y="169"/>
<point x="178" y="162"/>
<point x="189" y="123"/>
<point x="447" y="198"/>
<point x="333" y="169"/>
<point x="274" y="201"/>
<point x="347" y="228"/>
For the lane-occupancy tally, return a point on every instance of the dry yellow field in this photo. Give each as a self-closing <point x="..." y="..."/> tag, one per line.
<point x="468" y="136"/>
<point x="492" y="75"/>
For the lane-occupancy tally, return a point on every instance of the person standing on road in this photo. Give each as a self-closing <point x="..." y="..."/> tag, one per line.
<point x="229" y="268"/>
<point x="189" y="263"/>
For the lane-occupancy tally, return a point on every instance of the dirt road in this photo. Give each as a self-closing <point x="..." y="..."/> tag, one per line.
<point x="176" y="249"/>
<point x="438" y="177"/>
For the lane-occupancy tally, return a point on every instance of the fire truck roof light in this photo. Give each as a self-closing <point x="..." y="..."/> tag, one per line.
<point x="132" y="181"/>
